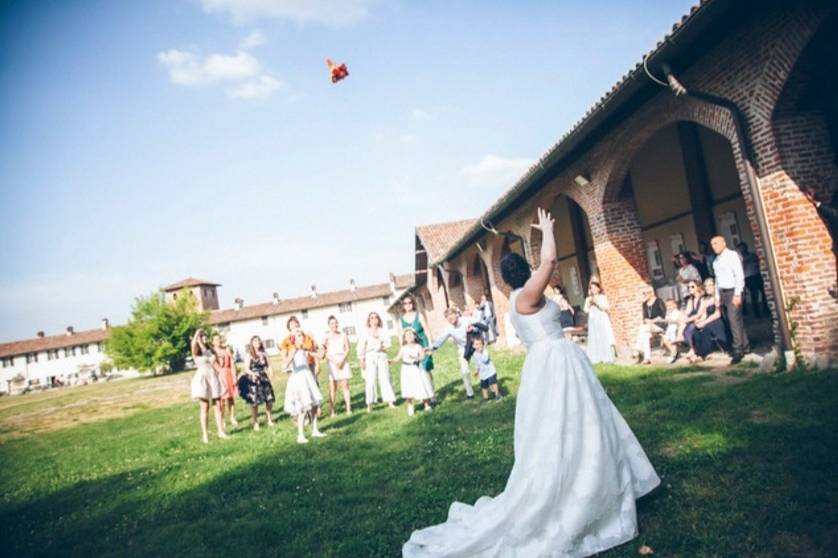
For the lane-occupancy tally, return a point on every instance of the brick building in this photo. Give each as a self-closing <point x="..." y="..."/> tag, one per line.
<point x="653" y="168"/>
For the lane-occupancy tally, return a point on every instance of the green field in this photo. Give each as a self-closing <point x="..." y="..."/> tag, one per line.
<point x="748" y="464"/>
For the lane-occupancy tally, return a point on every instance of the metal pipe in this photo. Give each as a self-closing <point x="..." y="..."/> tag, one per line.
<point x="753" y="186"/>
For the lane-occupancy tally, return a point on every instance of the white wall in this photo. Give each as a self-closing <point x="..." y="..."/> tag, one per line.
<point x="62" y="367"/>
<point x="316" y="323"/>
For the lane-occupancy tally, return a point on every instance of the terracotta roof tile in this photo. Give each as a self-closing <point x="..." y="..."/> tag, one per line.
<point x="438" y="239"/>
<point x="189" y="282"/>
<point x="40" y="344"/>
<point x="302" y="303"/>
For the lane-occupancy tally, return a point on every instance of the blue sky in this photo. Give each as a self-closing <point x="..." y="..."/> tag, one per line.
<point x="143" y="142"/>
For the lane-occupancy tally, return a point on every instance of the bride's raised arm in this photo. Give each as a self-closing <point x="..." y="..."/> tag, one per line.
<point x="531" y="297"/>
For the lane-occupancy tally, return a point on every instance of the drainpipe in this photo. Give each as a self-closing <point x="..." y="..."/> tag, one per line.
<point x="753" y="187"/>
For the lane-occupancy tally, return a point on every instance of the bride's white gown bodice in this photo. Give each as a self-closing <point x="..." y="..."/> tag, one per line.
<point x="578" y="467"/>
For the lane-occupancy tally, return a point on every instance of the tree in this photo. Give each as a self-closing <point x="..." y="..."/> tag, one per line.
<point x="158" y="333"/>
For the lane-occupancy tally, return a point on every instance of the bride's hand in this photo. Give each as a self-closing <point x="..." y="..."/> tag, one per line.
<point x="545" y="221"/>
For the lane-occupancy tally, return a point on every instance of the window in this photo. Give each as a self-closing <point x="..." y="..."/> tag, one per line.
<point x="8" y="361"/>
<point x="69" y="351"/>
<point x="34" y="381"/>
<point x="386" y="300"/>
<point x="389" y="324"/>
<point x="100" y="346"/>
<point x="224" y="328"/>
<point x="264" y="320"/>
<point x="174" y="296"/>
<point x="304" y="314"/>
<point x="349" y="330"/>
<point x="269" y="344"/>
<point x="52" y="354"/>
<point x="85" y="349"/>
<point x="345" y="307"/>
<point x="31" y="357"/>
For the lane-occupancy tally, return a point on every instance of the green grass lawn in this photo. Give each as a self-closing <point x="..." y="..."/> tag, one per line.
<point x="748" y="464"/>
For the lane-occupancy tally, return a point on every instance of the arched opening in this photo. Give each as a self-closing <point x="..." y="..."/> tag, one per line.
<point x="440" y="284"/>
<point x="477" y="280"/>
<point x="512" y="243"/>
<point x="576" y="259"/>
<point x="686" y="189"/>
<point x="456" y="289"/>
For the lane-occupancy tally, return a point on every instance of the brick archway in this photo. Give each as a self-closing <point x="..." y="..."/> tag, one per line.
<point x="477" y="279"/>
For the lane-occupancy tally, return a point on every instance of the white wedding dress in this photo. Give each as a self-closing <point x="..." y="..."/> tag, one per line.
<point x="578" y="467"/>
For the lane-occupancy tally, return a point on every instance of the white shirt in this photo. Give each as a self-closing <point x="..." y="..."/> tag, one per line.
<point x="485" y="366"/>
<point x="728" y="270"/>
<point x="457" y="333"/>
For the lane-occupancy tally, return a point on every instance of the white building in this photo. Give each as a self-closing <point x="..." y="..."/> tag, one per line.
<point x="269" y="320"/>
<point x="66" y="358"/>
<point x="39" y="361"/>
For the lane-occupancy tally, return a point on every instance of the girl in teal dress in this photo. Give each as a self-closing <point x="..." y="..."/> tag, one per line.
<point x="411" y="319"/>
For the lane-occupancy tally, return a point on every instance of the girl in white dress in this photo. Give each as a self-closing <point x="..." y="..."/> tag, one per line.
<point x="206" y="387"/>
<point x="302" y="396"/>
<point x="372" y="351"/>
<point x="600" y="333"/>
<point x="416" y="383"/>
<point x="578" y="467"/>
<point x="336" y="345"/>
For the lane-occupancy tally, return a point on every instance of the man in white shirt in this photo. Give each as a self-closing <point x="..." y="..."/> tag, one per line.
<point x="459" y="330"/>
<point x="730" y="282"/>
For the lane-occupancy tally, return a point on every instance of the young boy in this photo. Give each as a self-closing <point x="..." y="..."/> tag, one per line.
<point x="458" y="331"/>
<point x="485" y="370"/>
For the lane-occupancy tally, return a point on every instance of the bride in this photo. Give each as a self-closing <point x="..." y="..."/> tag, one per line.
<point x="578" y="467"/>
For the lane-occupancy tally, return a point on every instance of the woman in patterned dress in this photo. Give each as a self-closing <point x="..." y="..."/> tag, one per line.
<point x="255" y="384"/>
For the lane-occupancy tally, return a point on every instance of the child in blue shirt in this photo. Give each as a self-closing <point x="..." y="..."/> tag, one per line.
<point x="486" y="370"/>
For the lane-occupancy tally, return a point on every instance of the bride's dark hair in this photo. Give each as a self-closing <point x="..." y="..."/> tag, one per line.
<point x="515" y="270"/>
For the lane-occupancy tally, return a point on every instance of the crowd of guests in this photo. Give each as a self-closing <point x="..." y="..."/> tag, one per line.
<point x="216" y="383"/>
<point x="707" y="315"/>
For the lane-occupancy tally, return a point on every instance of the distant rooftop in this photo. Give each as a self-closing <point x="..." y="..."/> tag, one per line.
<point x="438" y="239"/>
<point x="190" y="282"/>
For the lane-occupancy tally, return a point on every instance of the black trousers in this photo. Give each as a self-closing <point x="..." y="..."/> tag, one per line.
<point x="733" y="315"/>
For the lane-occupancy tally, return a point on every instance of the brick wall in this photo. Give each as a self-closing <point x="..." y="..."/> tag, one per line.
<point x="760" y="68"/>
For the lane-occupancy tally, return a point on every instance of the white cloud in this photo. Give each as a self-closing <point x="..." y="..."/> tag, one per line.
<point x="335" y="13"/>
<point x="186" y="68"/>
<point x="255" y="39"/>
<point x="407" y="139"/>
<point x="492" y="170"/>
<point x="242" y="69"/>
<point x="258" y="88"/>
<point x="419" y="114"/>
<point x="238" y="66"/>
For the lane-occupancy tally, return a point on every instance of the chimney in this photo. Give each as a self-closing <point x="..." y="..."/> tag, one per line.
<point x="70" y="330"/>
<point x="313" y="291"/>
<point x="392" y="282"/>
<point x="40" y="334"/>
<point x="239" y="303"/>
<point x="352" y="286"/>
<point x="106" y="324"/>
<point x="276" y="298"/>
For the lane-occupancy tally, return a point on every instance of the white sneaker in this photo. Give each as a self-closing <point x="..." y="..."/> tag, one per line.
<point x="302" y="440"/>
<point x="318" y="434"/>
